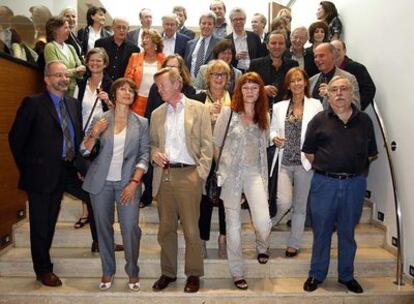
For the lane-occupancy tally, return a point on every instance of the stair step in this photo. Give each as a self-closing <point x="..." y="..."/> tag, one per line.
<point x="66" y="236"/>
<point x="71" y="211"/>
<point x="284" y="291"/>
<point x="80" y="262"/>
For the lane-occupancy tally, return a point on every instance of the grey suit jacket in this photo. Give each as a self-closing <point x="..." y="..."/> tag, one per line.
<point x="338" y="72"/>
<point x="132" y="36"/>
<point x="136" y="152"/>
<point x="190" y="50"/>
<point x="198" y="138"/>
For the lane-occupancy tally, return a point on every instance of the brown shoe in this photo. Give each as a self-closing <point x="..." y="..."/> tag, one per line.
<point x="192" y="285"/>
<point x="95" y="247"/>
<point x="49" y="279"/>
<point x="162" y="283"/>
<point x="119" y="247"/>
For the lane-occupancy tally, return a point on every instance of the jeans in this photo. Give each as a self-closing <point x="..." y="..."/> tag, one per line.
<point x="335" y="201"/>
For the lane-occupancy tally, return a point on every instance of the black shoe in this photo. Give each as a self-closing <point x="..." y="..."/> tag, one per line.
<point x="311" y="284"/>
<point x="162" y="283"/>
<point x="291" y="252"/>
<point x="352" y="285"/>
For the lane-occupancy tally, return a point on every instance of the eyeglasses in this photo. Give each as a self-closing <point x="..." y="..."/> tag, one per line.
<point x="336" y="90"/>
<point x="121" y="27"/>
<point x="59" y="75"/>
<point x="250" y="88"/>
<point x="238" y="19"/>
<point x="172" y="66"/>
<point x="219" y="75"/>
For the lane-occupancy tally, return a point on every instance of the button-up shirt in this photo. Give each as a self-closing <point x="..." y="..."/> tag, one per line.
<point x="240" y="44"/>
<point x="175" y="143"/>
<point x="169" y="45"/>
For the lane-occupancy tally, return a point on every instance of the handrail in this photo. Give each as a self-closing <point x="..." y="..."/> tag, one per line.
<point x="400" y="261"/>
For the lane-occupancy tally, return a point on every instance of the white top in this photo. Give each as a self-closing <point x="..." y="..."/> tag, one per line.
<point x="300" y="60"/>
<point x="93" y="36"/>
<point x="115" y="169"/>
<point x="89" y="98"/>
<point x="175" y="143"/>
<point x="240" y="44"/>
<point x="147" y="78"/>
<point x="169" y="45"/>
<point x="194" y="55"/>
<point x="64" y="48"/>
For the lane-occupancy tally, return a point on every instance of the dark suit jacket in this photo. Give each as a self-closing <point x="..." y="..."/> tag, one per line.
<point x="263" y="66"/>
<point x="181" y="44"/>
<point x="366" y="85"/>
<point x="254" y="45"/>
<point x="191" y="46"/>
<point x="83" y="36"/>
<point x="36" y="142"/>
<point x="185" y="31"/>
<point x="132" y="37"/>
<point x="77" y="44"/>
<point x="310" y="66"/>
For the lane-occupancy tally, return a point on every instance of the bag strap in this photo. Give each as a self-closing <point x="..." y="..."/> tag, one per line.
<point x="224" y="140"/>
<point x="90" y="115"/>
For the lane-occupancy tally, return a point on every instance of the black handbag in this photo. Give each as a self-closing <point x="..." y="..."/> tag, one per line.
<point x="212" y="188"/>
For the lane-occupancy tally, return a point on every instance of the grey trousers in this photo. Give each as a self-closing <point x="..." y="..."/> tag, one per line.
<point x="103" y="207"/>
<point x="292" y="191"/>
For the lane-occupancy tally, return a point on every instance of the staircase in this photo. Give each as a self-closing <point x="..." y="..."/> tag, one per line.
<point x="279" y="281"/>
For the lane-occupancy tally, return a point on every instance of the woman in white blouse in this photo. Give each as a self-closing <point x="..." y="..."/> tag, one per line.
<point x="290" y="119"/>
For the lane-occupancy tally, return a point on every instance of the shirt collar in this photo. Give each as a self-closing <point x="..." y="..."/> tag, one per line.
<point x="355" y="112"/>
<point x="180" y="104"/>
<point x="240" y="37"/>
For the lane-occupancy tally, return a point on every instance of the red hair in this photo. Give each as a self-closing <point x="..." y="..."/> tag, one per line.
<point x="261" y="107"/>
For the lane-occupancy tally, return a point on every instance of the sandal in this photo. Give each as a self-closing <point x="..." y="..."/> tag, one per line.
<point x="262" y="258"/>
<point x="135" y="286"/>
<point x="106" y="285"/>
<point x="241" y="284"/>
<point x="81" y="222"/>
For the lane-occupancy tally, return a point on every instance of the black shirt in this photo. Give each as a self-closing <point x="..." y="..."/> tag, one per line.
<point x="118" y="55"/>
<point x="339" y="147"/>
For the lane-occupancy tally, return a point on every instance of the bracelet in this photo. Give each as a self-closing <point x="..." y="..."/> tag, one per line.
<point x="134" y="180"/>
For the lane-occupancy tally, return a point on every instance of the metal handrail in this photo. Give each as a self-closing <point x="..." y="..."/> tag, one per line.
<point x="400" y="261"/>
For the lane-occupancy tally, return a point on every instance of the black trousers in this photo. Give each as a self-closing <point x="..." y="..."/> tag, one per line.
<point x="146" y="197"/>
<point x="204" y="223"/>
<point x="44" y="211"/>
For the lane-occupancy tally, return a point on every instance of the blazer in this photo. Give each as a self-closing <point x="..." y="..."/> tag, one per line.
<point x="191" y="44"/>
<point x="186" y="31"/>
<point x="198" y="138"/>
<point x="311" y="107"/>
<point x="338" y="72"/>
<point x="83" y="36"/>
<point x="254" y="45"/>
<point x="53" y="52"/>
<point x="366" y="85"/>
<point x="181" y="44"/>
<point x="77" y="45"/>
<point x="310" y="66"/>
<point x="132" y="36"/>
<point x="36" y="142"/>
<point x="136" y="152"/>
<point x="135" y="67"/>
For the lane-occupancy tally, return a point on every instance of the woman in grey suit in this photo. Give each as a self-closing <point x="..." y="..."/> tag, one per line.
<point x="115" y="175"/>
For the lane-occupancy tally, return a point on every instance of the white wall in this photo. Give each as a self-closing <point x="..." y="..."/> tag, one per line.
<point x="378" y="33"/>
<point x="21" y="7"/>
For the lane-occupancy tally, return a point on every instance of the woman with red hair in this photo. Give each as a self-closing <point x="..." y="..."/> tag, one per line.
<point x="242" y="168"/>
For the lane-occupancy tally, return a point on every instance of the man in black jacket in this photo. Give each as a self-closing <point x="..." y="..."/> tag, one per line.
<point x="44" y="141"/>
<point x="273" y="67"/>
<point x="366" y="84"/>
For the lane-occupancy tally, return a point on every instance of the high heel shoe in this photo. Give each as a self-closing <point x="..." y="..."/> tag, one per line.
<point x="135" y="286"/>
<point x="106" y="285"/>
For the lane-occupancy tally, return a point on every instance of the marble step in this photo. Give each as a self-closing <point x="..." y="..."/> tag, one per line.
<point x="71" y="211"/>
<point x="80" y="262"/>
<point x="367" y="235"/>
<point x="379" y="290"/>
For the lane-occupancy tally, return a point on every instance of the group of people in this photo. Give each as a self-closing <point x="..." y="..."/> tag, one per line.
<point x="168" y="110"/>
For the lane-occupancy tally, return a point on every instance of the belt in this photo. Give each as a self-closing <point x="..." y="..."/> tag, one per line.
<point x="180" y="165"/>
<point x="337" y="175"/>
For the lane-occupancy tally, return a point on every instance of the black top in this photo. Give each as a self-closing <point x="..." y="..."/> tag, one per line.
<point x="77" y="44"/>
<point x="83" y="37"/>
<point x="254" y="46"/>
<point x="118" y="56"/>
<point x="263" y="66"/>
<point x="339" y="147"/>
<point x="365" y="83"/>
<point x="186" y="31"/>
<point x="308" y="58"/>
<point x="154" y="98"/>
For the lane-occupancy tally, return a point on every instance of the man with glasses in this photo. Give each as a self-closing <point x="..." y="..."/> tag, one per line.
<point x="118" y="48"/>
<point x="339" y="143"/>
<point x="247" y="45"/>
<point x="325" y="59"/>
<point x="44" y="141"/>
